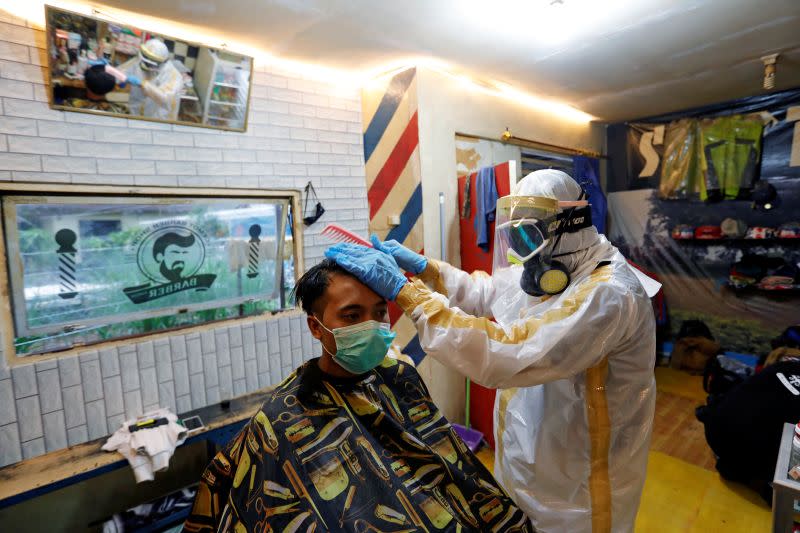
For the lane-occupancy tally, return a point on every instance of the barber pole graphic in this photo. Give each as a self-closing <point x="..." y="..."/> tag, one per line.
<point x="65" y="238"/>
<point x="252" y="267"/>
<point x="394" y="184"/>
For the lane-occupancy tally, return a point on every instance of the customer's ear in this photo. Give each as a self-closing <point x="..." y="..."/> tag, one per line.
<point x="313" y="325"/>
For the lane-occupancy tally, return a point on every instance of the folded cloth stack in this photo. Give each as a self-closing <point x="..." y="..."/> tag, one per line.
<point x="148" y="442"/>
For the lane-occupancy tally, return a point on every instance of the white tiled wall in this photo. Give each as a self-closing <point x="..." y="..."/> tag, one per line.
<point x="299" y="130"/>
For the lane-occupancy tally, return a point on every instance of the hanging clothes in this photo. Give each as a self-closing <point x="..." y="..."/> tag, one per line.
<point x="587" y="174"/>
<point x="486" y="198"/>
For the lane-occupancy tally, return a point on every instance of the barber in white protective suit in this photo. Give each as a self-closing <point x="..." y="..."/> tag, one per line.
<point x="572" y="351"/>
<point x="156" y="83"/>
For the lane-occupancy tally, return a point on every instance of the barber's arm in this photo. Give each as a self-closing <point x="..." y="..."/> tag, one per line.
<point x="563" y="341"/>
<point x="471" y="292"/>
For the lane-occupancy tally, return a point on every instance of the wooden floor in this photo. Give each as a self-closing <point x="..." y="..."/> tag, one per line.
<point x="683" y="492"/>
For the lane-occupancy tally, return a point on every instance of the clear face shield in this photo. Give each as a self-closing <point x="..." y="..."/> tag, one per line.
<point x="148" y="65"/>
<point x="523" y="228"/>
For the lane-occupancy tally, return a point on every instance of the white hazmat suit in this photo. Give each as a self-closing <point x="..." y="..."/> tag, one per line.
<point x="159" y="94"/>
<point x="574" y="412"/>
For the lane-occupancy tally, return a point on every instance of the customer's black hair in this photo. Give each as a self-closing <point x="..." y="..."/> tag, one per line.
<point x="313" y="284"/>
<point x="98" y="80"/>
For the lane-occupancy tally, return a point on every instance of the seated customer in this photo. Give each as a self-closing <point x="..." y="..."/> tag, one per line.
<point x="743" y="427"/>
<point x="350" y="441"/>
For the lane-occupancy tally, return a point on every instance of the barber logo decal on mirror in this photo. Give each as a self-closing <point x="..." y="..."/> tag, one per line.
<point x="170" y="254"/>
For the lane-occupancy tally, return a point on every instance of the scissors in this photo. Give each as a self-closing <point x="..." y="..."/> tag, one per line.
<point x="272" y="511"/>
<point x="480" y="497"/>
<point x="287" y="417"/>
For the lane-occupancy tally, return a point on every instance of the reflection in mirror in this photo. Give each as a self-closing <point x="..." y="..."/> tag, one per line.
<point x="111" y="68"/>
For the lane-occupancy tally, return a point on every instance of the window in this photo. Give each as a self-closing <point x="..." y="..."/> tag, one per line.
<point x="85" y="269"/>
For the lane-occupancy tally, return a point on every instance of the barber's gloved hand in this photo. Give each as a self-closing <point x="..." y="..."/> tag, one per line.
<point x="406" y="259"/>
<point x="373" y="268"/>
<point x="134" y="80"/>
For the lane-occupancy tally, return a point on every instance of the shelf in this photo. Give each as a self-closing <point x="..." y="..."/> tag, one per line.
<point x="212" y="117"/>
<point x="231" y="85"/>
<point x="188" y="97"/>
<point x="756" y="289"/>
<point x="738" y="241"/>
<point x="231" y="104"/>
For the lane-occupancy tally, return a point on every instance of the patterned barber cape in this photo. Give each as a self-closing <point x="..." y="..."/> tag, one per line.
<point x="366" y="454"/>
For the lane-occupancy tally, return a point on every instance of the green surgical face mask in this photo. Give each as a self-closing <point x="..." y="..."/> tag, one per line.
<point x="360" y="347"/>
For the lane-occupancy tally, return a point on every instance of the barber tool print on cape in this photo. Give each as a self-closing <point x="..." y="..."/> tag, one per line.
<point x="170" y="254"/>
<point x="65" y="238"/>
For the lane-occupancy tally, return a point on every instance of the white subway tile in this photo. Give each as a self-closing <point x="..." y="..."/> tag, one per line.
<point x="109" y="362"/>
<point x="242" y="156"/>
<point x="49" y="390"/>
<point x="29" y="418"/>
<point x="304" y="134"/>
<point x="251" y="375"/>
<point x="215" y="141"/>
<point x="121" y="134"/>
<point x="94" y="149"/>
<point x="96" y="419"/>
<point x="55" y="431"/>
<point x="8" y="411"/>
<point x="10" y="447"/>
<point x="156" y="181"/>
<point x="290" y="121"/>
<point x="22" y="35"/>
<point x="219" y="169"/>
<point x="103" y="179"/>
<point x="64" y="130"/>
<point x="22" y="72"/>
<point x="11" y="161"/>
<point x="14" y="52"/>
<point x="184" y="404"/>
<point x="133" y="404"/>
<point x="237" y="362"/>
<point x="202" y="181"/>
<point x="198" y="390"/>
<point x="77" y="435"/>
<point x="119" y="166"/>
<point x="177" y="168"/>
<point x="152" y="151"/>
<point x="129" y="369"/>
<point x="24" y="378"/>
<point x="180" y="371"/>
<point x="288" y="145"/>
<point x="198" y="154"/>
<point x="16" y="89"/>
<point x="74" y="165"/>
<point x="112" y="392"/>
<point x="172" y="138"/>
<point x="95" y="120"/>
<point x="210" y="369"/>
<point x="33" y="448"/>
<point x="166" y="395"/>
<point x="74" y="408"/>
<point x="30" y="109"/>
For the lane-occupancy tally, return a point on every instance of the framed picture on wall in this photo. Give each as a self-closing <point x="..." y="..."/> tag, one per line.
<point x="111" y="68"/>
